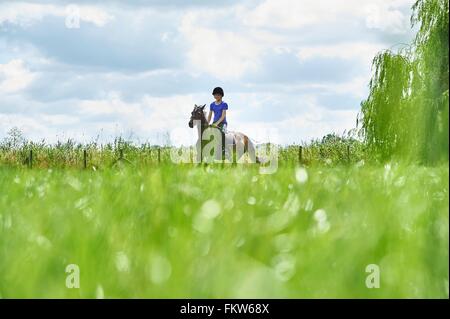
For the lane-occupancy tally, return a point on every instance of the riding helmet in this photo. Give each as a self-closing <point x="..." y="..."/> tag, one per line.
<point x="218" y="90"/>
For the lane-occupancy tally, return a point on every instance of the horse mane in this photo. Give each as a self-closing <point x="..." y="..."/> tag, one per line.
<point x="204" y="121"/>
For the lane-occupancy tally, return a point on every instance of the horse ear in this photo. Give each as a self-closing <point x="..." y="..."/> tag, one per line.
<point x="203" y="106"/>
<point x="195" y="105"/>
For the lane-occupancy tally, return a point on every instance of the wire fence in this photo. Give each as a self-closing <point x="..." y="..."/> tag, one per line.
<point x="101" y="157"/>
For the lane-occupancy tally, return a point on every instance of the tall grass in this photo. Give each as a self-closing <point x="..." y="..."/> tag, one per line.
<point x="15" y="152"/>
<point x="212" y="233"/>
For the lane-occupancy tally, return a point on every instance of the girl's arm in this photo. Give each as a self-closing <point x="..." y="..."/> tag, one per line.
<point x="224" y="113"/>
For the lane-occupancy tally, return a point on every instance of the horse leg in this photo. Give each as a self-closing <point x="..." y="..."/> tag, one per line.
<point x="223" y="145"/>
<point x="250" y="149"/>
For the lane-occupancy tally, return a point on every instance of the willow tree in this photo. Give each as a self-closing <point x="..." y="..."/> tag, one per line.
<point x="406" y="113"/>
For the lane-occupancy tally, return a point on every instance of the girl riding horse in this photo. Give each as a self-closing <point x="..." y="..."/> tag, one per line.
<point x="235" y="143"/>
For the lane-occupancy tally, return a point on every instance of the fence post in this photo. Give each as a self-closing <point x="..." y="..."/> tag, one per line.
<point x="31" y="159"/>
<point x="159" y="155"/>
<point x="85" y="159"/>
<point x="300" y="154"/>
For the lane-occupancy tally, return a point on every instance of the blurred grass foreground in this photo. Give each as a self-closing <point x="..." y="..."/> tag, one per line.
<point x="225" y="232"/>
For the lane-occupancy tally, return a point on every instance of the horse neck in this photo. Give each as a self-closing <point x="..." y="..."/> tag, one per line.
<point x="203" y="125"/>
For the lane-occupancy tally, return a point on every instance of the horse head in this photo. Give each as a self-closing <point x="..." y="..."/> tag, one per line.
<point x="198" y="114"/>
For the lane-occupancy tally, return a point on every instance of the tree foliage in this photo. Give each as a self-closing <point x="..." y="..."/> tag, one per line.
<point x="406" y="113"/>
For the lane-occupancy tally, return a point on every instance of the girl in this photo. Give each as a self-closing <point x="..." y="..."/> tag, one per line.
<point x="219" y="108"/>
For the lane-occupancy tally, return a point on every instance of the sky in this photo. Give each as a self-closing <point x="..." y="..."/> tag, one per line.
<point x="292" y="70"/>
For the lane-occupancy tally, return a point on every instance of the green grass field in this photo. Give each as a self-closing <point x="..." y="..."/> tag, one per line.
<point x="335" y="228"/>
<point x="181" y="231"/>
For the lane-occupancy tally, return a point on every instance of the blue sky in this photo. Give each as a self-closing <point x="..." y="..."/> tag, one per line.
<point x="292" y="70"/>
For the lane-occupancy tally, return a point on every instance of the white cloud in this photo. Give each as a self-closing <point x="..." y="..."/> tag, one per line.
<point x="287" y="14"/>
<point x="29" y="125"/>
<point x="145" y="117"/>
<point x="386" y="15"/>
<point x="348" y="50"/>
<point x="95" y="15"/>
<point x="231" y="52"/>
<point x="14" y="76"/>
<point x="112" y="105"/>
<point x="59" y="119"/>
<point x="356" y="87"/>
<point x="386" y="19"/>
<point x="310" y="121"/>
<point x="224" y="54"/>
<point x="26" y="14"/>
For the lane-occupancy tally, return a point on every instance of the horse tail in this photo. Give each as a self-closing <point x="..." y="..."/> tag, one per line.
<point x="246" y="142"/>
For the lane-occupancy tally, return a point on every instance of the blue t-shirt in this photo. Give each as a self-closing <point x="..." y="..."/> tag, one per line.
<point x="218" y="109"/>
